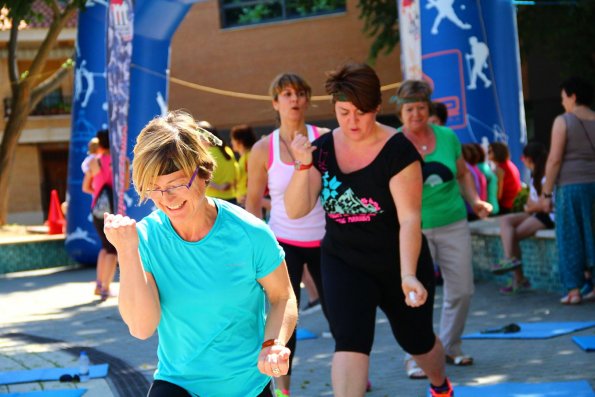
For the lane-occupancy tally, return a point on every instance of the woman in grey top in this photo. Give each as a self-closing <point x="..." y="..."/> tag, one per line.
<point x="571" y="166"/>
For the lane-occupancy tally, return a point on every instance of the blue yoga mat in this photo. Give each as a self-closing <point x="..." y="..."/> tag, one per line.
<point x="556" y="389"/>
<point x="43" y="374"/>
<point x="537" y="330"/>
<point x="587" y="343"/>
<point x="303" y="333"/>
<point x="49" y="393"/>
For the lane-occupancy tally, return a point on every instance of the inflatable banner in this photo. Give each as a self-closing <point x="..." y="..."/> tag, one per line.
<point x="89" y="114"/>
<point x="469" y="54"/>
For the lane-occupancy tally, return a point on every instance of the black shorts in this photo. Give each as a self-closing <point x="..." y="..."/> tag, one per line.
<point x="295" y="258"/>
<point x="545" y="219"/>
<point x="105" y="244"/>
<point x="352" y="296"/>
<point x="161" y="388"/>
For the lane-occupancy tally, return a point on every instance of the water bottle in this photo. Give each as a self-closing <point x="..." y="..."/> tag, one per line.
<point x="84" y="366"/>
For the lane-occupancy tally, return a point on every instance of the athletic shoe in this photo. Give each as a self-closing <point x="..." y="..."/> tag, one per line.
<point x="311" y="307"/>
<point x="511" y="288"/>
<point x="443" y="391"/>
<point x="505" y="265"/>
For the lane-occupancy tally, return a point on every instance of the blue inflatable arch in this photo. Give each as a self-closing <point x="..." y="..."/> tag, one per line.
<point x="155" y="22"/>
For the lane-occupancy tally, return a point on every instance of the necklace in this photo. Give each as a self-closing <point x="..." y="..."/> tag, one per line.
<point x="286" y="147"/>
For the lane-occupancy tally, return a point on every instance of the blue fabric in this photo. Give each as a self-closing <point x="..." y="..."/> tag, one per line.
<point x="212" y="306"/>
<point x="587" y="343"/>
<point x="555" y="389"/>
<point x="302" y="334"/>
<point x="43" y="374"/>
<point x="575" y="207"/>
<point x="49" y="393"/>
<point x="537" y="330"/>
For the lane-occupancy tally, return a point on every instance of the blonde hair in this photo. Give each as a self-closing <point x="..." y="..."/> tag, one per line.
<point x="168" y="144"/>
<point x="93" y="145"/>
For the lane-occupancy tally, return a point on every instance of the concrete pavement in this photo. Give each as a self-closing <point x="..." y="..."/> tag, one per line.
<point x="47" y="317"/>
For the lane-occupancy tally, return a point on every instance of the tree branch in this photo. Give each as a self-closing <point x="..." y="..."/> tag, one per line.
<point x="55" y="8"/>
<point x="50" y="39"/>
<point x="13" y="68"/>
<point x="47" y="86"/>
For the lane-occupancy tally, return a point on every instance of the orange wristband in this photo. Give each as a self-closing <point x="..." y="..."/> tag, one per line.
<point x="271" y="342"/>
<point x="299" y="166"/>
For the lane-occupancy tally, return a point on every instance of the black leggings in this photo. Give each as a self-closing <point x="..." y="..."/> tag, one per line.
<point x="161" y="388"/>
<point x="296" y="257"/>
<point x="352" y="296"/>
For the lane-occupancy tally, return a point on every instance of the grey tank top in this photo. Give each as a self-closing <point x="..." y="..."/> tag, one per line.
<point x="578" y="163"/>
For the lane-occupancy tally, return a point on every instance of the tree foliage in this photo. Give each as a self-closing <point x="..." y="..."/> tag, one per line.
<point x="564" y="32"/>
<point x="380" y="23"/>
<point x="28" y="87"/>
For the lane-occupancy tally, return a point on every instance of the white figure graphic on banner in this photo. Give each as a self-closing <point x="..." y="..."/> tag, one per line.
<point x="479" y="55"/>
<point x="83" y="73"/>
<point x="162" y="104"/>
<point x="446" y="10"/>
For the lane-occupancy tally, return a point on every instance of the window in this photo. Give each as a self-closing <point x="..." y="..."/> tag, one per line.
<point x="249" y="12"/>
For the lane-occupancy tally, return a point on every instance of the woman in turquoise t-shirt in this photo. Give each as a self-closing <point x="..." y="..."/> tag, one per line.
<point x="443" y="213"/>
<point x="200" y="270"/>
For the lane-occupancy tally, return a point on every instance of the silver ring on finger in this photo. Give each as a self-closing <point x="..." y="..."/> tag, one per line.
<point x="276" y="371"/>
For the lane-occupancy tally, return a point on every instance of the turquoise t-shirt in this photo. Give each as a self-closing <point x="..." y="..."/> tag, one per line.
<point x="442" y="203"/>
<point x="212" y="306"/>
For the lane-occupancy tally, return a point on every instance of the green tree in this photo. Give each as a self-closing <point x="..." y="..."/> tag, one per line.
<point x="563" y="32"/>
<point x="30" y="86"/>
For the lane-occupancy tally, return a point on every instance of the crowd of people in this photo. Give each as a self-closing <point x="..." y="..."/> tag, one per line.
<point x="358" y="210"/>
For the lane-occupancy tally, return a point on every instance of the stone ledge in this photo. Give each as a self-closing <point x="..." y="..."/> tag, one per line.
<point x="491" y="227"/>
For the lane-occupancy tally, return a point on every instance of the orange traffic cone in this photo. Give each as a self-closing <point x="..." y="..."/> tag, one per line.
<point x="55" y="215"/>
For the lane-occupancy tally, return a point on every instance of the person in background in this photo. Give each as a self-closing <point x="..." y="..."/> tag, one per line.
<point x="438" y="113"/>
<point x="242" y="140"/>
<point x="518" y="226"/>
<point x="571" y="168"/>
<point x="99" y="173"/>
<point x="270" y="167"/>
<point x="491" y="179"/>
<point x="225" y="176"/>
<point x="369" y="180"/>
<point x="479" y="179"/>
<point x="447" y="185"/>
<point x="93" y="147"/>
<point x="438" y="116"/>
<point x="199" y="270"/>
<point x="509" y="178"/>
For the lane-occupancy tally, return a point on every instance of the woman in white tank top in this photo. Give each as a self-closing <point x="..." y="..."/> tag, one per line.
<point x="270" y="167"/>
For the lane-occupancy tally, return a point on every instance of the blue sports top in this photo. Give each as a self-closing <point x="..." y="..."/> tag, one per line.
<point x="212" y="306"/>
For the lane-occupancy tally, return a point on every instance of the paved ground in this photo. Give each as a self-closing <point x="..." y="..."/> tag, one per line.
<point x="47" y="317"/>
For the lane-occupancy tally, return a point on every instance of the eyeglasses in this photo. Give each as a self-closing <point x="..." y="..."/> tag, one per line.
<point x="70" y="378"/>
<point x="172" y="191"/>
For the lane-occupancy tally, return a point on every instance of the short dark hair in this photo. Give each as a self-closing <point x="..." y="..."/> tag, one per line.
<point x="580" y="87"/>
<point x="244" y="134"/>
<point x="500" y="151"/>
<point x="103" y="137"/>
<point x="357" y="83"/>
<point x="439" y="110"/>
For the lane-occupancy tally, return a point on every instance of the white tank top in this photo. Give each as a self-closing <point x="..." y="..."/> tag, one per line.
<point x="307" y="231"/>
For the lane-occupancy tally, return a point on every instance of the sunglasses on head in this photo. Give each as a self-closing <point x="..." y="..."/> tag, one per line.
<point x="70" y="378"/>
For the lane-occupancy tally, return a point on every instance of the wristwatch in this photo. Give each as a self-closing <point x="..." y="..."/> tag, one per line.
<point x="299" y="166"/>
<point x="548" y="195"/>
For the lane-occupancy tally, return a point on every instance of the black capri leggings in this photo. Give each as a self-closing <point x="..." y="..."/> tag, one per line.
<point x="352" y="296"/>
<point x="161" y="388"/>
<point x="295" y="257"/>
